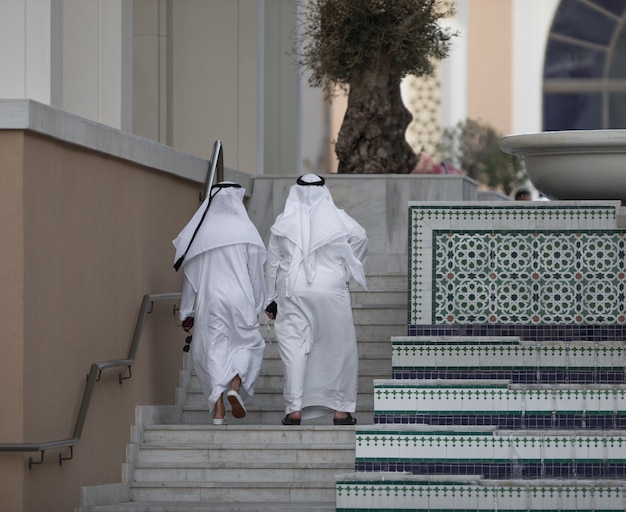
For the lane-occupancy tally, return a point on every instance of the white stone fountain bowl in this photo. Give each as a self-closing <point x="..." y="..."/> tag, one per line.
<point x="576" y="164"/>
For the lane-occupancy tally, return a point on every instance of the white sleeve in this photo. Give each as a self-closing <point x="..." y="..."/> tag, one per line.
<point x="256" y="258"/>
<point x="187" y="299"/>
<point x="271" y="267"/>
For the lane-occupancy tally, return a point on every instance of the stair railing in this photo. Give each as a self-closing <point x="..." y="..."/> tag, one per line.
<point x="93" y="376"/>
<point x="216" y="166"/>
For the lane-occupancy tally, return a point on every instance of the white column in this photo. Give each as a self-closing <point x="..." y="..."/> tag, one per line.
<point x="29" y="33"/>
<point x="531" y="24"/>
<point x="97" y="49"/>
<point x="454" y="69"/>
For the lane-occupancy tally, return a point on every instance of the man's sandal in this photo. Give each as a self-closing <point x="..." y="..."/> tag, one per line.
<point x="348" y="420"/>
<point x="288" y="420"/>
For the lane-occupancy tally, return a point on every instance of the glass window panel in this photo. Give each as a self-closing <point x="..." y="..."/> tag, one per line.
<point x="615" y="6"/>
<point x="618" y="62"/>
<point x="617" y="110"/>
<point x="577" y="20"/>
<point x="568" y="61"/>
<point x="572" y="112"/>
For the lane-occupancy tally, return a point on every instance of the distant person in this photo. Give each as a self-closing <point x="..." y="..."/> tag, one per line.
<point x="222" y="256"/>
<point x="314" y="250"/>
<point x="523" y="195"/>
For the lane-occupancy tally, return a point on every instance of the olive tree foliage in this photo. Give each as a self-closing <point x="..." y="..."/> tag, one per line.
<point x="367" y="47"/>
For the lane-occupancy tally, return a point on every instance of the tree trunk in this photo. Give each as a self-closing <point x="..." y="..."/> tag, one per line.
<point x="372" y="135"/>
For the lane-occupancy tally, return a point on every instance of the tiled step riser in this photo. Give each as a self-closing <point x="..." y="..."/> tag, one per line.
<point x="503" y="470"/>
<point x="538" y="356"/>
<point x="240" y="475"/>
<point x="479" y="399"/>
<point x="244" y="454"/>
<point x="519" y="375"/>
<point x="427" y="496"/>
<point x="534" y="421"/>
<point x="249" y="494"/>
<point x="494" y="455"/>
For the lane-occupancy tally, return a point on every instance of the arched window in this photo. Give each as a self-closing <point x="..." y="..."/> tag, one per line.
<point x="584" y="84"/>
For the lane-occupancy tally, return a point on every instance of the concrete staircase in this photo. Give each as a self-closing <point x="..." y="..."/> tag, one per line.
<point x="177" y="461"/>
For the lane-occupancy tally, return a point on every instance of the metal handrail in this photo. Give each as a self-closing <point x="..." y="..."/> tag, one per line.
<point x="216" y="165"/>
<point x="92" y="377"/>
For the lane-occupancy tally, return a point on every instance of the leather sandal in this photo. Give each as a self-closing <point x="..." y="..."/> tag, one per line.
<point x="288" y="420"/>
<point x="348" y="420"/>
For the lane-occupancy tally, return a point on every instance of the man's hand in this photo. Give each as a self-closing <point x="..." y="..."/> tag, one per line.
<point x="187" y="323"/>
<point x="271" y="310"/>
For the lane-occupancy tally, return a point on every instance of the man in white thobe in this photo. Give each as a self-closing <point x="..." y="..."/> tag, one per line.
<point x="222" y="295"/>
<point x="314" y="250"/>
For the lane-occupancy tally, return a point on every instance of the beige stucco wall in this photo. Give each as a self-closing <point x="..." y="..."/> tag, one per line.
<point x="86" y="236"/>
<point x="12" y="314"/>
<point x="489" y="88"/>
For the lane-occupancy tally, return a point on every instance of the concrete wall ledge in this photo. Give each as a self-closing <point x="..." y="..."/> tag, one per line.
<point x="23" y="114"/>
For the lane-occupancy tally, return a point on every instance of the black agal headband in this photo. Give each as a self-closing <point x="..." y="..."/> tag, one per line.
<point x="300" y="181"/>
<point x="218" y="187"/>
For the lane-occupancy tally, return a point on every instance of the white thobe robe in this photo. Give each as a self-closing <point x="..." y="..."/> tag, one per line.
<point x="314" y="324"/>
<point x="226" y="338"/>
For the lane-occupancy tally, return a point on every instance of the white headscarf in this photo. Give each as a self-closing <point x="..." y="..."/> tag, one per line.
<point x="226" y="223"/>
<point x="311" y="220"/>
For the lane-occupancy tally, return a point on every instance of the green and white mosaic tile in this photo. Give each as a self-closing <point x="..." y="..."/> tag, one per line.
<point x="475" y="263"/>
<point x="430" y="494"/>
<point x="425" y="443"/>
<point x="422" y="352"/>
<point x="493" y="397"/>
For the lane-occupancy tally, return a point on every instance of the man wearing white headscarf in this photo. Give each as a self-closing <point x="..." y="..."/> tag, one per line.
<point x="222" y="256"/>
<point x="314" y="250"/>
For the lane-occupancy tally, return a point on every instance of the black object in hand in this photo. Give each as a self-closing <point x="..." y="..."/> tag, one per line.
<point x="187" y="343"/>
<point x="272" y="308"/>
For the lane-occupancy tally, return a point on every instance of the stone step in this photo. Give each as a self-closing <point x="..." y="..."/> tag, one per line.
<point x="267" y="491"/>
<point x="380" y="315"/>
<point x="255" y="463"/>
<point x="367" y="349"/>
<point x="361" y="299"/>
<point x="171" y="435"/>
<point x="267" y="387"/>
<point x="251" y="473"/>
<point x="272" y="415"/>
<point x="217" y="506"/>
<point x="383" y="282"/>
<point x="365" y="333"/>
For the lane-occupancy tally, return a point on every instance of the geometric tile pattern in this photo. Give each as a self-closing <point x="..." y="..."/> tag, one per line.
<point x="575" y="277"/>
<point x="423" y="494"/>
<point x="511" y="263"/>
